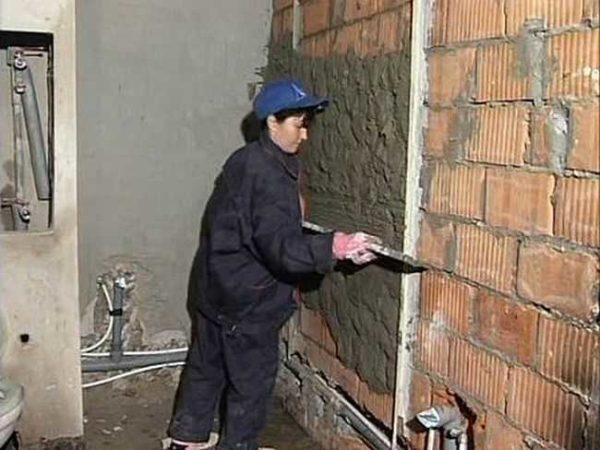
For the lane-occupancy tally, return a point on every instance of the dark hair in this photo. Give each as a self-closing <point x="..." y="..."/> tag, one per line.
<point x="280" y="116"/>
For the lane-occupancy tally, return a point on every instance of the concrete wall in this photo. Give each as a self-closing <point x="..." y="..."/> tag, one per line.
<point x="163" y="89"/>
<point x="38" y="271"/>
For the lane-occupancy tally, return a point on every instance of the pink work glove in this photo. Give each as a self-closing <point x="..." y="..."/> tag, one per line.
<point x="356" y="247"/>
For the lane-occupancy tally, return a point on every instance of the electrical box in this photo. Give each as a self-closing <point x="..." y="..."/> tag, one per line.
<point x="26" y="144"/>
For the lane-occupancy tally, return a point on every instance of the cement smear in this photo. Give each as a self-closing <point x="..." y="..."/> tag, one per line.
<point x="355" y="164"/>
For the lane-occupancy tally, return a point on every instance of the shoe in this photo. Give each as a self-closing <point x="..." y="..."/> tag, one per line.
<point x="191" y="446"/>
<point x="175" y="446"/>
<point x="243" y="446"/>
<point x="180" y="445"/>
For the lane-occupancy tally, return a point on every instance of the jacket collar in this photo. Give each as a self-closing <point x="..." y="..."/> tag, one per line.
<point x="290" y="162"/>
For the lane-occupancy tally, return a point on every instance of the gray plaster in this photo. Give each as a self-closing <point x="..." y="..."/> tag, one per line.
<point x="557" y="128"/>
<point x="163" y="88"/>
<point x="356" y="168"/>
<point x="533" y="60"/>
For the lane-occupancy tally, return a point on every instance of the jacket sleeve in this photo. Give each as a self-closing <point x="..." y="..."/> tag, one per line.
<point x="279" y="238"/>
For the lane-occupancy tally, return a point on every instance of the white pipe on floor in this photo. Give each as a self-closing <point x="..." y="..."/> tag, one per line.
<point x="166" y="351"/>
<point x="130" y="373"/>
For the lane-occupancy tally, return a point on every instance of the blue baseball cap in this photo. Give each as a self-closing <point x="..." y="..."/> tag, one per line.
<point x="280" y="95"/>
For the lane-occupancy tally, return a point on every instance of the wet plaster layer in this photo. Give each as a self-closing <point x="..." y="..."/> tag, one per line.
<point x="355" y="165"/>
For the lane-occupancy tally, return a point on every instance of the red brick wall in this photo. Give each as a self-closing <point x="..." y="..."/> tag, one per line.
<point x="510" y="221"/>
<point x="339" y="27"/>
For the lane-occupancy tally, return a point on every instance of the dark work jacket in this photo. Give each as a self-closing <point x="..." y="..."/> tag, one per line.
<point x="252" y="249"/>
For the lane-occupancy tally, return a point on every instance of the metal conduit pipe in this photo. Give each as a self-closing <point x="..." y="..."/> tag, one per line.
<point x="130" y="362"/>
<point x="116" y="345"/>
<point x="450" y="421"/>
<point x="33" y="124"/>
<point x="117" y="359"/>
<point x="369" y="431"/>
<point x="359" y="426"/>
<point x="21" y="214"/>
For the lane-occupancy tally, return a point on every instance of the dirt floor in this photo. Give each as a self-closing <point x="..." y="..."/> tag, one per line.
<point x="133" y="414"/>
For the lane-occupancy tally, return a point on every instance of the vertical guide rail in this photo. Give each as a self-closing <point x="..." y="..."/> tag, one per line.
<point x="410" y="282"/>
<point x="296" y="24"/>
<point x="20" y="212"/>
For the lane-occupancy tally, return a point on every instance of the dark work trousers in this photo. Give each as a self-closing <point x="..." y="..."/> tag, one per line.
<point x="240" y="362"/>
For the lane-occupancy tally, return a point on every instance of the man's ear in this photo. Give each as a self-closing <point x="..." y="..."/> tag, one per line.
<point x="271" y="122"/>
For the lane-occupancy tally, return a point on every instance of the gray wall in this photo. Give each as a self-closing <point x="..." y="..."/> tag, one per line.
<point x="162" y="89"/>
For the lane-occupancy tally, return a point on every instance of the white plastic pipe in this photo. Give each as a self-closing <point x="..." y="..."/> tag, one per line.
<point x="464" y="441"/>
<point x="431" y="438"/>
<point x="130" y="373"/>
<point x="110" y="323"/>
<point x="166" y="351"/>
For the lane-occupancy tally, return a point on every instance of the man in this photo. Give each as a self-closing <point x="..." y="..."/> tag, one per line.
<point x="252" y="254"/>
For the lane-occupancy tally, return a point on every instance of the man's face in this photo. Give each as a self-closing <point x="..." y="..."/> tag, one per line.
<point x="289" y="133"/>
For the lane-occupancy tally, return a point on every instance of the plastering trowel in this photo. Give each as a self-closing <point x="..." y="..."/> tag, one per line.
<point x="379" y="249"/>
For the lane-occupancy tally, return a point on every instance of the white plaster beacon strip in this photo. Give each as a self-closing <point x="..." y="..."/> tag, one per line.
<point x="296" y="24"/>
<point x="410" y="282"/>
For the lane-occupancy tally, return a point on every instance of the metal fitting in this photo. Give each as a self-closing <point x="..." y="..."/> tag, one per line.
<point x="19" y="61"/>
<point x="452" y="423"/>
<point x="24" y="214"/>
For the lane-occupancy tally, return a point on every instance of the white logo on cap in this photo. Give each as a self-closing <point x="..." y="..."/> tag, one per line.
<point x="298" y="91"/>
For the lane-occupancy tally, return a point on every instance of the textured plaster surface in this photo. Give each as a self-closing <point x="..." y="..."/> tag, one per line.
<point x="355" y="163"/>
<point x="163" y="89"/>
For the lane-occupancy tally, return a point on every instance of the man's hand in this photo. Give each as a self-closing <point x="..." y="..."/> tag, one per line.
<point x="356" y="247"/>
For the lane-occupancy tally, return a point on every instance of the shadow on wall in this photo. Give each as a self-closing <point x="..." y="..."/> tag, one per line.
<point x="7" y="191"/>
<point x="250" y="129"/>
